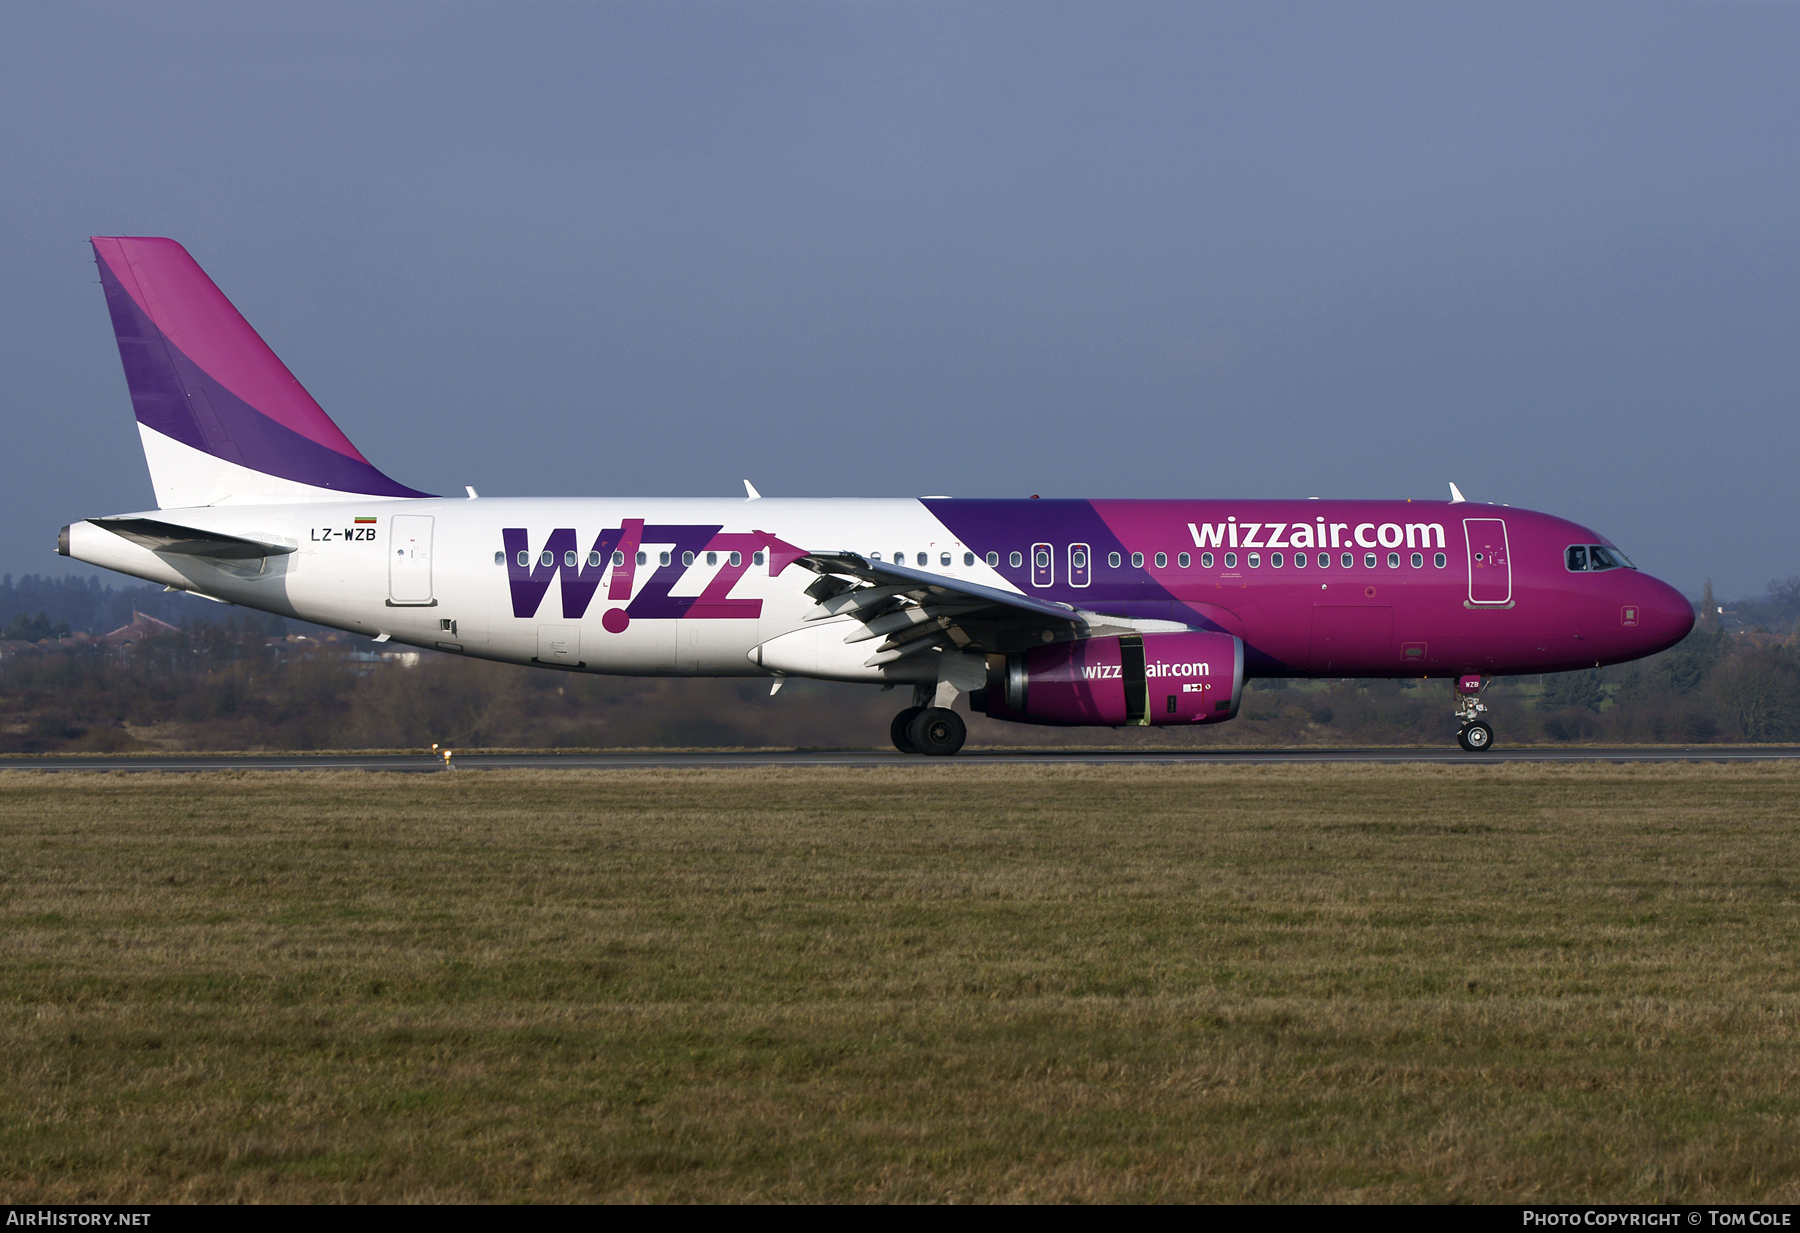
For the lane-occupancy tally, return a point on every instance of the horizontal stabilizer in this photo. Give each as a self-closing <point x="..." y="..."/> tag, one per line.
<point x="188" y="541"/>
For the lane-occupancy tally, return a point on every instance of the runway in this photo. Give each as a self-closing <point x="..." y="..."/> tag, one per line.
<point x="689" y="760"/>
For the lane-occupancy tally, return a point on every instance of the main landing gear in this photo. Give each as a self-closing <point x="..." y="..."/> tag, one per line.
<point x="1477" y="735"/>
<point x="933" y="730"/>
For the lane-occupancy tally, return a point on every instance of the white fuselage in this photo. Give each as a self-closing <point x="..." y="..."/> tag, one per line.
<point x="453" y="587"/>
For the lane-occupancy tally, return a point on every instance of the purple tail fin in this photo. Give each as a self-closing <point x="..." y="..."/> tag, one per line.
<point x="222" y="418"/>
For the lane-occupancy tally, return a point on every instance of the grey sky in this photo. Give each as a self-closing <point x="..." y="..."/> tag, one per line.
<point x="1548" y="251"/>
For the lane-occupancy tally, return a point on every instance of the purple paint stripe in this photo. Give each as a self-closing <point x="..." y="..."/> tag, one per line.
<point x="1013" y="526"/>
<point x="179" y="399"/>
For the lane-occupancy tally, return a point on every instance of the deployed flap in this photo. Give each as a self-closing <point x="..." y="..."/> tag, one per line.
<point x="916" y="583"/>
<point x="914" y="611"/>
<point x="161" y="536"/>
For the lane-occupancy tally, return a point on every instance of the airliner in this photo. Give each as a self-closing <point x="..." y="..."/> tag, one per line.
<point x="1106" y="613"/>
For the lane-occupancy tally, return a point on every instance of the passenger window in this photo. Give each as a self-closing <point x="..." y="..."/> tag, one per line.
<point x="1418" y="560"/>
<point x="1274" y="560"/>
<point x="618" y="560"/>
<point x="1299" y="560"/>
<point x="924" y="559"/>
<point x="1393" y="560"/>
<point x="899" y="558"/>
<point x="1231" y="560"/>
<point x="1253" y="560"/>
<point x="1137" y="560"/>
<point x="1112" y="560"/>
<point x="943" y="558"/>
<point x="874" y="556"/>
<point x="687" y="558"/>
<point x="712" y="558"/>
<point x="968" y="558"/>
<point x="1206" y="560"/>
<point x="547" y="559"/>
<point x="1184" y="560"/>
<point x="993" y="560"/>
<point x="662" y="558"/>
<point x="593" y="559"/>
<point x="1578" y="558"/>
<point x="1438" y="560"/>
<point x="1042" y="560"/>
<point x="756" y="558"/>
<point x="737" y="558"/>
<point x="1079" y="560"/>
<point x="643" y="558"/>
<point x="1368" y="560"/>
<point x="1162" y="560"/>
<point x="500" y="558"/>
<point x="569" y="559"/>
<point x="1016" y="559"/>
<point x="1349" y="560"/>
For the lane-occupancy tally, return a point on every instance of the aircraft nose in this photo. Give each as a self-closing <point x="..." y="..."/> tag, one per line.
<point x="1667" y="615"/>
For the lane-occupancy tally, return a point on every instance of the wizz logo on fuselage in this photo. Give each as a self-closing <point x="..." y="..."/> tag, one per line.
<point x="530" y="582"/>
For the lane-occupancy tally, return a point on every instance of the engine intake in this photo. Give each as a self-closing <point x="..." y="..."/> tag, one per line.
<point x="1148" y="679"/>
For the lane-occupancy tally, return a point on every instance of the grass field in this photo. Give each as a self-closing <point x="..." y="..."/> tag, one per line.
<point x="929" y="983"/>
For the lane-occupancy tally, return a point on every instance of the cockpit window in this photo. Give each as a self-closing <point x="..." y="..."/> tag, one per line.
<point x="1591" y="557"/>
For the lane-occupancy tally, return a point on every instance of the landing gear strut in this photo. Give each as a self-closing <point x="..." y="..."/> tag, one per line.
<point x="1477" y="735"/>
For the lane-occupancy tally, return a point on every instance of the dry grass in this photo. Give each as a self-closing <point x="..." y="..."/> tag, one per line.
<point x="926" y="983"/>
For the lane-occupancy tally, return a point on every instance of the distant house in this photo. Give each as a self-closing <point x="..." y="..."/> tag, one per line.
<point x="141" y="629"/>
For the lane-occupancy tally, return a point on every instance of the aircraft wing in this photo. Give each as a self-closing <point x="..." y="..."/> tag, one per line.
<point x="912" y="610"/>
<point x="159" y="536"/>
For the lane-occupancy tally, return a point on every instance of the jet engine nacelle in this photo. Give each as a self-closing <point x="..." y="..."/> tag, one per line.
<point x="1143" y="679"/>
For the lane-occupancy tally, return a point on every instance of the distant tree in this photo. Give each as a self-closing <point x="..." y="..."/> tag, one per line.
<point x="1759" y="691"/>
<point x="1684" y="668"/>
<point x="1573" y="689"/>
<point x="23" y="629"/>
<point x="1784" y="599"/>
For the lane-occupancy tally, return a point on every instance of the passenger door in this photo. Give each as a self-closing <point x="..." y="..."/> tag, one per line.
<point x="1490" y="566"/>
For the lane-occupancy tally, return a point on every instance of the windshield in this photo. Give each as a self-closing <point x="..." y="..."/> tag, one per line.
<point x="1591" y="557"/>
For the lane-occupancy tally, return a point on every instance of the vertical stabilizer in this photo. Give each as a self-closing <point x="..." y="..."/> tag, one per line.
<point x="221" y="417"/>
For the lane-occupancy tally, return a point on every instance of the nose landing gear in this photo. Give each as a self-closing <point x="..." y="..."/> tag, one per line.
<point x="1477" y="735"/>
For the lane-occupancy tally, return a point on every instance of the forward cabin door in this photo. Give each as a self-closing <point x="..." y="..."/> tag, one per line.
<point x="1490" y="566"/>
<point x="409" y="561"/>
